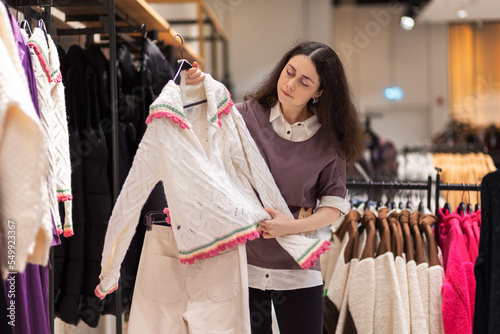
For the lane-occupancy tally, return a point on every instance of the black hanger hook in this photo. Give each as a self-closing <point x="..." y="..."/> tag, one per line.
<point x="182" y="43"/>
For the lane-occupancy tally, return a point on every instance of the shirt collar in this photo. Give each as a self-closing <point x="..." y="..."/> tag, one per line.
<point x="311" y="124"/>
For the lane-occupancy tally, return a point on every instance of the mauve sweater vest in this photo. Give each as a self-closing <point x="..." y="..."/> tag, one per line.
<point x="304" y="172"/>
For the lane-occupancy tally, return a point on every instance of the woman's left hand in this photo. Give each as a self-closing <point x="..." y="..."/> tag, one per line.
<point x="278" y="226"/>
<point x="194" y="75"/>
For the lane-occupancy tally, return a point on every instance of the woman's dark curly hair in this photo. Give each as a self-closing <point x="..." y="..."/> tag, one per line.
<point x="335" y="109"/>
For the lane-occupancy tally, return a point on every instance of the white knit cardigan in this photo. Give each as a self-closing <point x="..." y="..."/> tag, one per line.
<point x="210" y="166"/>
<point x="52" y="106"/>
<point x="24" y="232"/>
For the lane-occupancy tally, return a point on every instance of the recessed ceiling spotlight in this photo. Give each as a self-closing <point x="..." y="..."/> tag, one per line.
<point x="407" y="22"/>
<point x="462" y="13"/>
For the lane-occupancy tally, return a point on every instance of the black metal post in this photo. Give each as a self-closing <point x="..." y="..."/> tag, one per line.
<point x="438" y="185"/>
<point x="429" y="191"/>
<point x="111" y="27"/>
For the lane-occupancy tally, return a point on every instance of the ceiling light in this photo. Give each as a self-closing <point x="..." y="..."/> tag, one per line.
<point x="407" y="22"/>
<point x="462" y="13"/>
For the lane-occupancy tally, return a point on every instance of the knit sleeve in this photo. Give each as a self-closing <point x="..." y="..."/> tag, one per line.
<point x="62" y="167"/>
<point x="250" y="162"/>
<point x="142" y="177"/>
<point x="23" y="153"/>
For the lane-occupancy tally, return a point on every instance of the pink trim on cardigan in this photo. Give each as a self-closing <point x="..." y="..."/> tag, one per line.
<point x="220" y="246"/>
<point x="68" y="231"/>
<point x="167" y="113"/>
<point x="224" y="109"/>
<point x="64" y="197"/>
<point x="45" y="65"/>
<point x="101" y="294"/>
<point x="167" y="212"/>
<point x="310" y="261"/>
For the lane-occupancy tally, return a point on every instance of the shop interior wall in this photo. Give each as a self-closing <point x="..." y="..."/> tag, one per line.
<point x="261" y="31"/>
<point x="375" y="51"/>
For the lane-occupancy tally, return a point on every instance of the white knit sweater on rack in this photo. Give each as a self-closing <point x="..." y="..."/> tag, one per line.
<point x="210" y="166"/>
<point x="54" y="120"/>
<point x="24" y="232"/>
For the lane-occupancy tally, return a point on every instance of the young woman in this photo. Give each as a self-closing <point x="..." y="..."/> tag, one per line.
<point x="306" y="126"/>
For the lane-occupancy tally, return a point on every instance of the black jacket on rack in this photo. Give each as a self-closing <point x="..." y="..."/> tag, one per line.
<point x="155" y="73"/>
<point x="68" y="257"/>
<point x="487" y="267"/>
<point x="78" y="261"/>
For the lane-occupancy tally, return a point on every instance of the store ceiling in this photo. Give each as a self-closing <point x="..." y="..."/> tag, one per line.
<point x="442" y="11"/>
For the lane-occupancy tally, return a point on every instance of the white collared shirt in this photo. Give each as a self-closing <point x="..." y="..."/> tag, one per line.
<point x="289" y="279"/>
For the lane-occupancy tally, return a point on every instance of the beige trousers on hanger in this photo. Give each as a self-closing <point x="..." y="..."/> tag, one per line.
<point x="209" y="296"/>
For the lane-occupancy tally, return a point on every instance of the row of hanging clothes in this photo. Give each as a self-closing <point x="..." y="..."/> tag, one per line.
<point x="87" y="80"/>
<point x="458" y="235"/>
<point x="469" y="167"/>
<point x="35" y="171"/>
<point x="55" y="156"/>
<point x="383" y="273"/>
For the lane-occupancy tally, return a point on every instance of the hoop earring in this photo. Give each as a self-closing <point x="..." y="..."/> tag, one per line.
<point x="315" y="99"/>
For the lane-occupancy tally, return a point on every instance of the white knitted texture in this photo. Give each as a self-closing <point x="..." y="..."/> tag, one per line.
<point x="60" y="135"/>
<point x="346" y="302"/>
<point x="389" y="316"/>
<point x="417" y="315"/>
<point x="423" y="283"/>
<point x="22" y="164"/>
<point x="338" y="282"/>
<point x="52" y="107"/>
<point x="400" y="264"/>
<point x="362" y="295"/>
<point x="436" y="279"/>
<point x="47" y="118"/>
<point x="208" y="185"/>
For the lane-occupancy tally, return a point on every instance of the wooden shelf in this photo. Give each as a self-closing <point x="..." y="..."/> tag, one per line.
<point x="137" y="12"/>
<point x="141" y="11"/>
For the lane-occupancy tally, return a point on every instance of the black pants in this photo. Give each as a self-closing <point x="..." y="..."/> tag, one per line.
<point x="297" y="311"/>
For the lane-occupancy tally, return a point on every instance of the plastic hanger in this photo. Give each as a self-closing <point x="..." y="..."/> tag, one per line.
<point x="421" y="207"/>
<point x="367" y="203"/>
<point x="469" y="206"/>
<point x="409" y="204"/>
<point x="155" y="217"/>
<point x="400" y="204"/>
<point x="41" y="25"/>
<point x="447" y="206"/>
<point x="478" y="206"/>
<point x="184" y="64"/>
<point x="461" y="210"/>
<point x="26" y="26"/>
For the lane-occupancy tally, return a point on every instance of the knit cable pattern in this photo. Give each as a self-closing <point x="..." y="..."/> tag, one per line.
<point x="209" y="172"/>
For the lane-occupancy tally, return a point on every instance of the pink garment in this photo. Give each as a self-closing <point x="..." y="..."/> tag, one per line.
<point x="452" y="224"/>
<point x="472" y="245"/>
<point x="459" y="287"/>
<point x="440" y="224"/>
<point x="476" y="224"/>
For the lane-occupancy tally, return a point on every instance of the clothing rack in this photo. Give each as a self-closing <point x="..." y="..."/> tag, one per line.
<point x="108" y="22"/>
<point x="456" y="148"/>
<point x="449" y="187"/>
<point x="401" y="185"/>
<point x="394" y="185"/>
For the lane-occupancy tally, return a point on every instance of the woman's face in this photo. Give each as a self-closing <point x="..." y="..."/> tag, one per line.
<point x="298" y="82"/>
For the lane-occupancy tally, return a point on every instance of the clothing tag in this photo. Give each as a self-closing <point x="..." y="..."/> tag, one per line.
<point x="304" y="213"/>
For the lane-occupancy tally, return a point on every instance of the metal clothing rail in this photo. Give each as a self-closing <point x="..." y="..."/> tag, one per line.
<point x="394" y="185"/>
<point x="449" y="187"/>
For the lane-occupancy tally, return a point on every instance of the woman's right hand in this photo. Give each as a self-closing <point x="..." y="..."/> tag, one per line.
<point x="194" y="75"/>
